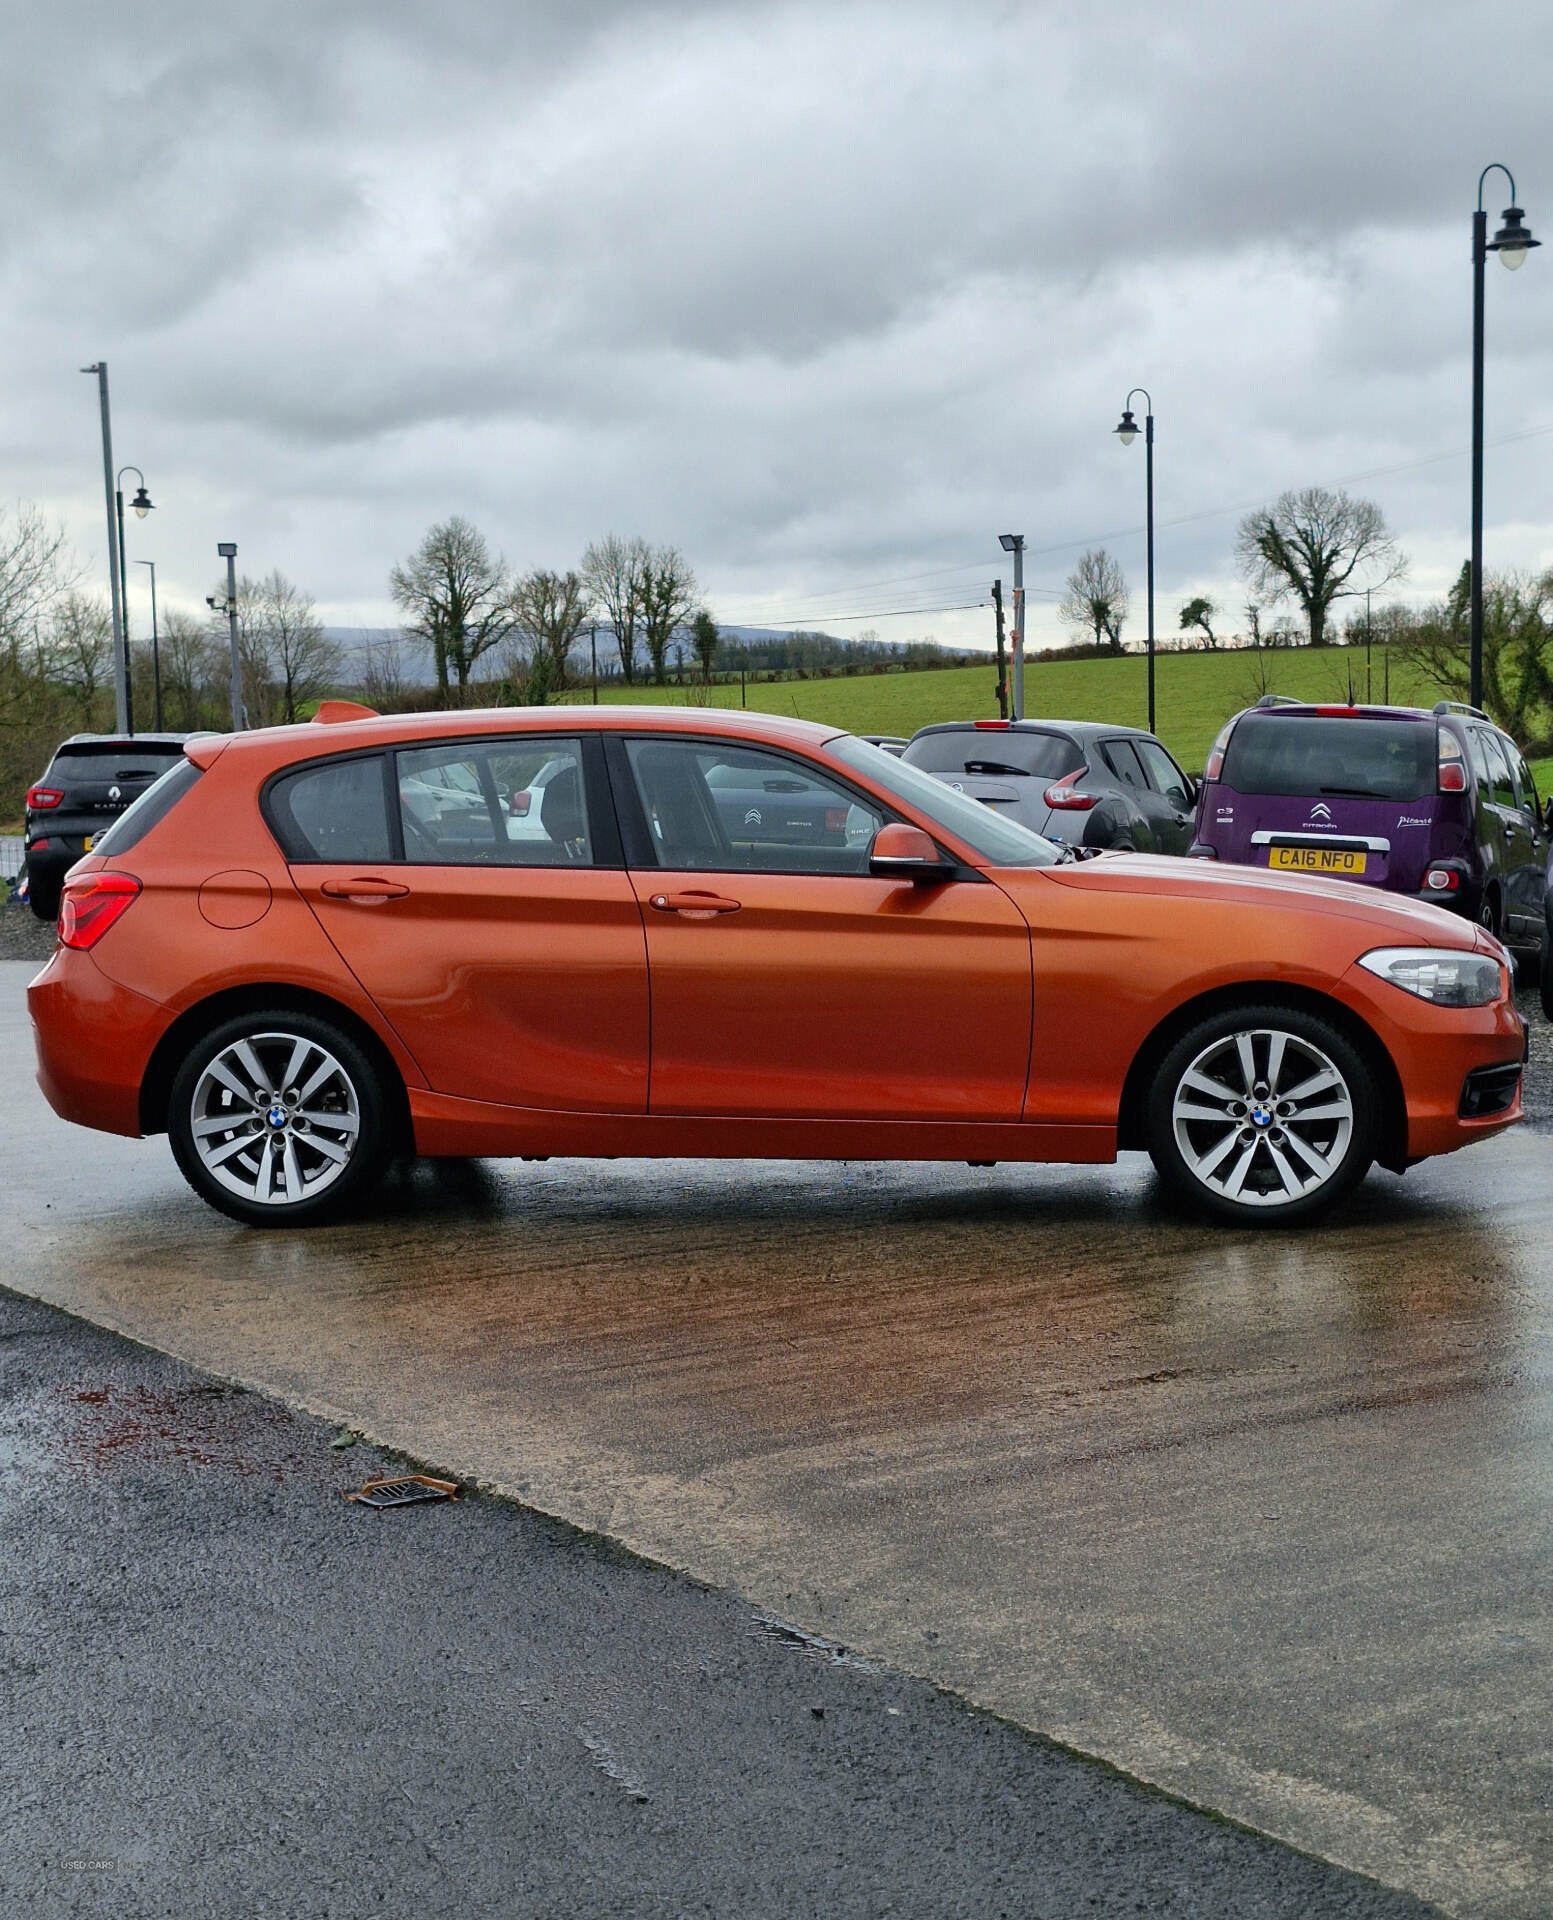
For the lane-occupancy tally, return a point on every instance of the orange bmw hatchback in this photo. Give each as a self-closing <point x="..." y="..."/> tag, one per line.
<point x="616" y="931"/>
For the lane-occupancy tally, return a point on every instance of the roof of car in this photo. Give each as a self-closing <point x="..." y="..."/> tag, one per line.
<point x="124" y="740"/>
<point x="1090" y="728"/>
<point x="310" y="739"/>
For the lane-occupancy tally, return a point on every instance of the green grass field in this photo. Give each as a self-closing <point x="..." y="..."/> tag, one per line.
<point x="1195" y="693"/>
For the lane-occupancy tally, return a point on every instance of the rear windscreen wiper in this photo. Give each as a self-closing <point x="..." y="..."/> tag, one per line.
<point x="1357" y="793"/>
<point x="994" y="766"/>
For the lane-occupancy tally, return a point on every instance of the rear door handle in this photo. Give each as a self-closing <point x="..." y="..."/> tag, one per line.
<point x="697" y="904"/>
<point x="363" y="887"/>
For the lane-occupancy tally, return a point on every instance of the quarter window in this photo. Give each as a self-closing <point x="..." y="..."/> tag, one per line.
<point x="514" y="803"/>
<point x="734" y="809"/>
<point x="333" y="812"/>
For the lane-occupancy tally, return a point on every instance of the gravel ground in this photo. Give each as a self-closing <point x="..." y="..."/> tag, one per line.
<point x="228" y="1691"/>
<point x="23" y="936"/>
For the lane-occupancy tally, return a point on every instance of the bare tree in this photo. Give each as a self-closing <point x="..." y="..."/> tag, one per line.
<point x="669" y="595"/>
<point x="458" y="597"/>
<point x="190" y="667"/>
<point x="35" y="568"/>
<point x="1200" y="612"/>
<point x="614" y="570"/>
<point x="306" y="661"/>
<point x="1309" y="545"/>
<point x="78" y="649"/>
<point x="1096" y="601"/>
<point x="382" y="673"/>
<point x="550" y="610"/>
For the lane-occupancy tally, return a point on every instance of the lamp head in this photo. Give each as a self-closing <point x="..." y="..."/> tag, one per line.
<point x="141" y="502"/>
<point x="1513" y="240"/>
<point x="1011" y="542"/>
<point x="1127" y="431"/>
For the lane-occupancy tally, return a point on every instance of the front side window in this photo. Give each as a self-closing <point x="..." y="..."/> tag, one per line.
<point x="1163" y="772"/>
<point x="729" y="808"/>
<point x="512" y="803"/>
<point x="333" y="812"/>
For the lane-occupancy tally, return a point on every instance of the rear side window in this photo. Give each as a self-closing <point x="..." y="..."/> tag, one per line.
<point x="518" y="802"/>
<point x="991" y="750"/>
<point x="1494" y="779"/>
<point x="1124" y="763"/>
<point x="333" y="812"/>
<point x="1309" y="757"/>
<point x="1163" y="771"/>
<point x="149" y="810"/>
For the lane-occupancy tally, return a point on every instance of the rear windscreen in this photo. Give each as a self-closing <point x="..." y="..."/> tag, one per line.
<point x="1046" y="756"/>
<point x="1308" y="757"/>
<point x="154" y="805"/>
<point x="104" y="760"/>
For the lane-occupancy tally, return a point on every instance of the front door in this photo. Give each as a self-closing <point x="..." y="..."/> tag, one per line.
<point x="488" y="914"/>
<point x="786" y="980"/>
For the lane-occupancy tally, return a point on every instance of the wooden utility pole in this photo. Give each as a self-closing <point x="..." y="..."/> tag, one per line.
<point x="997" y="602"/>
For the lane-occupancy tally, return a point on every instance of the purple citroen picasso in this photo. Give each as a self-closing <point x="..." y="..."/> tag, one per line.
<point x="1439" y="805"/>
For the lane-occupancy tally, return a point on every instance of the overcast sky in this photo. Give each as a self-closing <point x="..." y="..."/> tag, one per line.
<point x="828" y="296"/>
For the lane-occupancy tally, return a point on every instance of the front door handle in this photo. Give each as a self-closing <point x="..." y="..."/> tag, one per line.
<point x="698" y="905"/>
<point x="363" y="887"/>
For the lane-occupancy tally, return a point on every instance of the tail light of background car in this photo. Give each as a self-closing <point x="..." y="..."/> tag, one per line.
<point x="91" y="906"/>
<point x="519" y="803"/>
<point x="1215" y="762"/>
<point x="836" y="819"/>
<point x="1063" y="794"/>
<point x="40" y="799"/>
<point x="1453" y="770"/>
<point x="1442" y="880"/>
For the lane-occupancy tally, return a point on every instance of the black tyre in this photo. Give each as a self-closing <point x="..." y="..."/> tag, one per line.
<point x="1263" y="1115"/>
<point x="1488" y="914"/>
<point x="280" y="1119"/>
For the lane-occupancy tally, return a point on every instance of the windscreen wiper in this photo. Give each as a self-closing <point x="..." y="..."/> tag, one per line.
<point x="994" y="766"/>
<point x="1356" y="793"/>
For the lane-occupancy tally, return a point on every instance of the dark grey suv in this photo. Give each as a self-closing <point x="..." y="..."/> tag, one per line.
<point x="1071" y="780"/>
<point x="90" y="781"/>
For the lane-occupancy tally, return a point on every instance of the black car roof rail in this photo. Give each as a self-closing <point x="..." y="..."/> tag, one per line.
<point x="1459" y="706"/>
<point x="1279" y="700"/>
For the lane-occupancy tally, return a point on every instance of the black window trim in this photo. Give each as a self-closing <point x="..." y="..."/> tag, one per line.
<point x="603" y="825"/>
<point x="641" y="856"/>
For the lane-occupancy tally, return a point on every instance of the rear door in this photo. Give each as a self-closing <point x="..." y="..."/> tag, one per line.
<point x="1526" y="879"/>
<point x="787" y="981"/>
<point x="1497" y="813"/>
<point x="512" y="965"/>
<point x="1172" y="817"/>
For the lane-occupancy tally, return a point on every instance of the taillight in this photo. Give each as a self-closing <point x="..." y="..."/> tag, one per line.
<point x="519" y="802"/>
<point x="1065" y="796"/>
<point x="1215" y="765"/>
<point x="91" y="906"/>
<point x="1452" y="768"/>
<point x="836" y="819"/>
<point x="40" y="799"/>
<point x="989" y="723"/>
<point x="1442" y="880"/>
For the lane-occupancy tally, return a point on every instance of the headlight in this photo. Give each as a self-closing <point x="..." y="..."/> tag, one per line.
<point x="1440" y="974"/>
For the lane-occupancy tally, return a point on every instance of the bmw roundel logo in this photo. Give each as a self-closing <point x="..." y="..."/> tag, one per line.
<point x="957" y="786"/>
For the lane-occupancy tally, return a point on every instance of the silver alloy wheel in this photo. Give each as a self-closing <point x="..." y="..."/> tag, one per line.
<point x="1262" y="1118"/>
<point x="275" y="1118"/>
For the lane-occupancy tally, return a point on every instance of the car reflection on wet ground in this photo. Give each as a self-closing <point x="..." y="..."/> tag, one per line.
<point x="1261" y="1517"/>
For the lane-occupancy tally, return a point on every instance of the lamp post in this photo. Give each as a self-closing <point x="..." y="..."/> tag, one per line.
<point x="1511" y="243"/>
<point x="121" y="702"/>
<point x="1127" y="432"/>
<point x="156" y="657"/>
<point x="142" y="506"/>
<point x="1014" y="543"/>
<point x="227" y="549"/>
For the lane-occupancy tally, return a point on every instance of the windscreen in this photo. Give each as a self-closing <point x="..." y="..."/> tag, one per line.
<point x="992" y="750"/>
<point x="993" y="835"/>
<point x="113" y="760"/>
<point x="1322" y="755"/>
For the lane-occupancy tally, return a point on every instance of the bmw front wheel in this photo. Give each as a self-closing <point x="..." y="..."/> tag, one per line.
<point x="279" y="1119"/>
<point x="1262" y="1115"/>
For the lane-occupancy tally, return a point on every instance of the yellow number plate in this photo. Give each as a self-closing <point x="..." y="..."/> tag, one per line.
<point x="89" y="839"/>
<point x="1317" y="859"/>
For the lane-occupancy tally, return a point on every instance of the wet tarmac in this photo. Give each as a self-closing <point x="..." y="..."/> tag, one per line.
<point x="1263" y="1519"/>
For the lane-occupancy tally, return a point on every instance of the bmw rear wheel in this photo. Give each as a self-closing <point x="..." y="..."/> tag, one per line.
<point x="1263" y="1115"/>
<point x="279" y="1119"/>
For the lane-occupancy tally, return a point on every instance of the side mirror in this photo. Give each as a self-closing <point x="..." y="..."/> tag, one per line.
<point x="900" y="852"/>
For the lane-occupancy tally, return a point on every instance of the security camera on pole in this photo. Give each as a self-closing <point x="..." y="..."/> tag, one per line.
<point x="228" y="552"/>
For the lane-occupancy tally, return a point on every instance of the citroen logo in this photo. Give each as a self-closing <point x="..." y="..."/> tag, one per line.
<point x="752" y="818"/>
<point x="1321" y="811"/>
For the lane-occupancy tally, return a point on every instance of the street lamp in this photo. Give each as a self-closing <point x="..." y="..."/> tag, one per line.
<point x="1511" y="243"/>
<point x="156" y="656"/>
<point x="1014" y="543"/>
<point x="121" y="702"/>
<point x="227" y="549"/>
<point x="142" y="506"/>
<point x="1127" y="432"/>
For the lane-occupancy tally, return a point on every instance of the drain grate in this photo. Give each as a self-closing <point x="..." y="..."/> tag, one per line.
<point x="410" y="1490"/>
